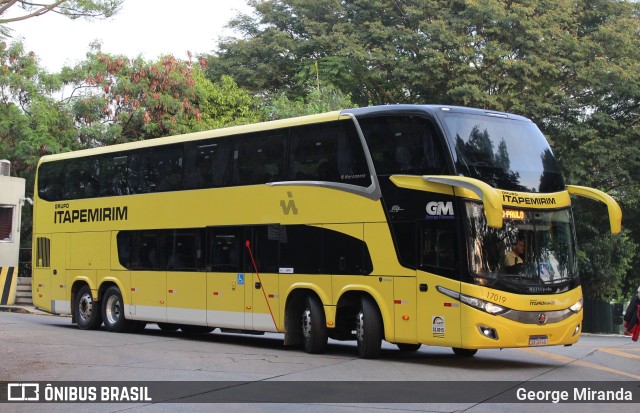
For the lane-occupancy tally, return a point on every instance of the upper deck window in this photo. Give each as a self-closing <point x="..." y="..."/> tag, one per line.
<point x="329" y="152"/>
<point x="403" y="144"/>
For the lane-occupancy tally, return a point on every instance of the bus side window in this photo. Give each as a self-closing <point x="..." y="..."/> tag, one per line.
<point x="114" y="175"/>
<point x="265" y="246"/>
<point x="330" y="152"/>
<point x="344" y="254"/>
<point x="225" y="247"/>
<point x="51" y="180"/>
<point x="81" y="178"/>
<point x="259" y="158"/>
<point x="162" y="169"/>
<point x="145" y="250"/>
<point x="314" y="154"/>
<point x="438" y="244"/>
<point x="184" y="250"/>
<point x="403" y="144"/>
<point x="208" y="163"/>
<point x="125" y="248"/>
<point x="301" y="249"/>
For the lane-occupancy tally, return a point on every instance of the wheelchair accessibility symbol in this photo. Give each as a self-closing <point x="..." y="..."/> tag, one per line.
<point x="240" y="279"/>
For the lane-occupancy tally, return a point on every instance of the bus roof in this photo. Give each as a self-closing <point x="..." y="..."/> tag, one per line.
<point x="430" y="109"/>
<point x="283" y="123"/>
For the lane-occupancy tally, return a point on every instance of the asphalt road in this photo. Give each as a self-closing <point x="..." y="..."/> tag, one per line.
<point x="44" y="348"/>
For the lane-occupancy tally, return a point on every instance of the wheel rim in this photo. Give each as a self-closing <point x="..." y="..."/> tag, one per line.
<point x="85" y="307"/>
<point x="360" y="327"/>
<point x="112" y="309"/>
<point x="306" y="324"/>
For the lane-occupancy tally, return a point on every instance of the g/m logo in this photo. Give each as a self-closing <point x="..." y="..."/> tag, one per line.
<point x="440" y="210"/>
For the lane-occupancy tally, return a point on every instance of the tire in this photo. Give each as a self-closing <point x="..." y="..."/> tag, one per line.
<point x="168" y="327"/>
<point x="113" y="312"/>
<point x="408" y="347"/>
<point x="193" y="330"/>
<point x="464" y="352"/>
<point x="369" y="331"/>
<point x="313" y="326"/>
<point x="86" y="312"/>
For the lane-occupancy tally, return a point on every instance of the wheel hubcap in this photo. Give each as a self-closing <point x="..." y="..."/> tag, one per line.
<point x="85" y="307"/>
<point x="113" y="309"/>
<point x="306" y="324"/>
<point x="360" y="326"/>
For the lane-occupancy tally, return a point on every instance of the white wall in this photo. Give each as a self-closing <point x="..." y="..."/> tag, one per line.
<point x="11" y="192"/>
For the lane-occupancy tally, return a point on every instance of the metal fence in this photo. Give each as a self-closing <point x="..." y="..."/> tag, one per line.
<point x="602" y="317"/>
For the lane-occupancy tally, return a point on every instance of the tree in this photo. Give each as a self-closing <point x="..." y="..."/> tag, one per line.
<point x="32" y="123"/>
<point x="572" y="67"/>
<point x="318" y="100"/>
<point x="116" y="99"/>
<point x="17" y="10"/>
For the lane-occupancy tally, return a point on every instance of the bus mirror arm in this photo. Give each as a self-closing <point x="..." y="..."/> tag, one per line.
<point x="615" y="213"/>
<point x="488" y="195"/>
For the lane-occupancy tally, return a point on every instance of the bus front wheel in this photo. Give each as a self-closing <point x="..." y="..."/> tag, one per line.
<point x="113" y="312"/>
<point x="87" y="312"/>
<point x="369" y="329"/>
<point x="314" y="326"/>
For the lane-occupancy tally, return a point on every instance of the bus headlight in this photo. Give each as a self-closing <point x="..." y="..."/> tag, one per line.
<point x="474" y="302"/>
<point x="490" y="308"/>
<point x="577" y="306"/>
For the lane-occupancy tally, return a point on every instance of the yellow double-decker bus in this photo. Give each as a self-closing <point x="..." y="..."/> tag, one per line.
<point x="413" y="224"/>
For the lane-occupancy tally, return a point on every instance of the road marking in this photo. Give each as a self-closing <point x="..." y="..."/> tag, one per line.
<point x="569" y="360"/>
<point x="620" y="353"/>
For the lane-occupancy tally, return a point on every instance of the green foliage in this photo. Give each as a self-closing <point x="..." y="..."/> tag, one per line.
<point x="222" y="104"/>
<point x="316" y="101"/>
<point x="117" y="99"/>
<point x="32" y="123"/>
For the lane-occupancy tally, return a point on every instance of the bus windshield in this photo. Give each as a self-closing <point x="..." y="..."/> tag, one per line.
<point x="533" y="249"/>
<point x="509" y="154"/>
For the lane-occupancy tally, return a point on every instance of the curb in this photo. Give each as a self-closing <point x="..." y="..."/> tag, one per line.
<point x="22" y="310"/>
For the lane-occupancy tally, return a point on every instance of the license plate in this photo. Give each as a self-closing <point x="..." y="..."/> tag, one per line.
<point x="535" y="341"/>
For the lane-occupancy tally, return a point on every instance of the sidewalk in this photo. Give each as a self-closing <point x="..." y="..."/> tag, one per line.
<point x="24" y="309"/>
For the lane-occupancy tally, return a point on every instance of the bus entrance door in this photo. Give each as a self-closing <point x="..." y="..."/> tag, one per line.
<point x="261" y="277"/>
<point x="225" y="278"/>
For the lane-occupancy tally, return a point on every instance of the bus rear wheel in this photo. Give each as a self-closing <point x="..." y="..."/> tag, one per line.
<point x="314" y="326"/>
<point x="369" y="329"/>
<point x="86" y="311"/>
<point x="464" y="352"/>
<point x="113" y="312"/>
